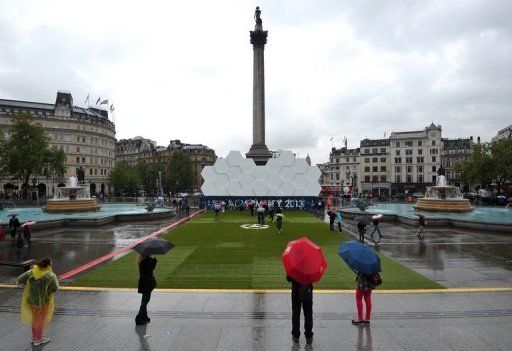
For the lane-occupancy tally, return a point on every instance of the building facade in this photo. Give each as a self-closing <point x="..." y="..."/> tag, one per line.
<point x="375" y="167"/>
<point x="415" y="159"/>
<point x="86" y="135"/>
<point x="128" y="150"/>
<point x="344" y="169"/>
<point x="200" y="155"/>
<point x="453" y="152"/>
<point x="505" y="133"/>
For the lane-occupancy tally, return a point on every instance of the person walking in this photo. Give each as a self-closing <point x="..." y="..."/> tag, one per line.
<point x="147" y="283"/>
<point x="217" y="208"/>
<point x="250" y="204"/>
<point x="14" y="223"/>
<point x="376" y="229"/>
<point x="302" y="297"/>
<point x="340" y="220"/>
<point x="332" y="218"/>
<point x="37" y="303"/>
<point x="271" y="212"/>
<point x="279" y="222"/>
<point x="27" y="233"/>
<point x="421" y="228"/>
<point x="361" y="229"/>
<point x="187" y="210"/>
<point x="261" y="215"/>
<point x="364" y="289"/>
<point x="20" y="244"/>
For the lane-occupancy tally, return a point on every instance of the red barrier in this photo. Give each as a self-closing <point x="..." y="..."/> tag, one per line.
<point x="108" y="256"/>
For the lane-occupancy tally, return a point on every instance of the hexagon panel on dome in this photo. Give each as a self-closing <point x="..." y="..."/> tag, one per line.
<point x="284" y="175"/>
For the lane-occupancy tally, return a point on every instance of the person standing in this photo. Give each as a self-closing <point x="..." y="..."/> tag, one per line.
<point x="361" y="229"/>
<point x="27" y="233"/>
<point x="261" y="215"/>
<point x="271" y="212"/>
<point x="187" y="210"/>
<point x="340" y="220"/>
<point x="279" y="222"/>
<point x="37" y="303"/>
<point x="147" y="283"/>
<point x="302" y="297"/>
<point x="14" y="223"/>
<point x="364" y="289"/>
<point x="217" y="208"/>
<point x="250" y="204"/>
<point x="421" y="229"/>
<point x="332" y="218"/>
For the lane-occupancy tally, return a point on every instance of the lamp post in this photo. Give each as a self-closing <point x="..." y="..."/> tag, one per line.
<point x="35" y="190"/>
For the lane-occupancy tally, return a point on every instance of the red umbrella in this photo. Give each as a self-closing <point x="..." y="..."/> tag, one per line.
<point x="304" y="261"/>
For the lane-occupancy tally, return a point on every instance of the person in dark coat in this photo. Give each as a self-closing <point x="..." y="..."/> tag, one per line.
<point x="14" y="223"/>
<point x="361" y="229"/>
<point x="271" y="213"/>
<point x="147" y="283"/>
<point x="302" y="296"/>
<point x="332" y="218"/>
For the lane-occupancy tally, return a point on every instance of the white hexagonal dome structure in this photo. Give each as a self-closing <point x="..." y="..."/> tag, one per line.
<point x="284" y="175"/>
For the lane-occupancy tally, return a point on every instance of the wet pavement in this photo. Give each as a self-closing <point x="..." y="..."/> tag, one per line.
<point x="71" y="247"/>
<point x="246" y="321"/>
<point x="453" y="257"/>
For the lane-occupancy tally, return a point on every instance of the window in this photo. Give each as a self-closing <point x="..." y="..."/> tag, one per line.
<point x="383" y="168"/>
<point x="408" y="143"/>
<point x="95" y="171"/>
<point x="83" y="139"/>
<point x="397" y="152"/>
<point x="337" y="176"/>
<point x="433" y="168"/>
<point x="408" y="160"/>
<point x="420" y="169"/>
<point x="367" y="169"/>
<point x="397" y="144"/>
<point x="383" y="178"/>
<point x="78" y="160"/>
<point x="78" y="138"/>
<point x="83" y="159"/>
<point x="433" y="159"/>
<point x="337" y="160"/>
<point x="375" y="178"/>
<point x="408" y="178"/>
<point x="398" y="169"/>
<point x="375" y="169"/>
<point x="434" y="151"/>
<point x="420" y="178"/>
<point x="382" y="159"/>
<point x="367" y="178"/>
<point x="354" y="159"/>
<point x="375" y="159"/>
<point x="434" y="179"/>
<point x="348" y="159"/>
<point x="90" y="171"/>
<point x="78" y="149"/>
<point x="398" y="178"/>
<point x="420" y="151"/>
<point x="383" y="149"/>
<point x="398" y="160"/>
<point x="433" y="142"/>
<point x="408" y="152"/>
<point x="366" y="151"/>
<point x="366" y="160"/>
<point x="375" y="150"/>
<point x="420" y="159"/>
<point x="408" y="169"/>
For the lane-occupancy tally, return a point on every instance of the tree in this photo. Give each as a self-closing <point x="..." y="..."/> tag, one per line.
<point x="148" y="173"/>
<point x="26" y="152"/>
<point x="180" y="175"/>
<point x="490" y="164"/>
<point x="124" y="178"/>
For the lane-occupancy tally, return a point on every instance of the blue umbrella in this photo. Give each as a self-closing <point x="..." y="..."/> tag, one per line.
<point x="360" y="258"/>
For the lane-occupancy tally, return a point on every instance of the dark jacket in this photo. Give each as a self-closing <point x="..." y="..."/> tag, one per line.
<point x="361" y="226"/>
<point x="303" y="292"/>
<point x="147" y="281"/>
<point x="421" y="220"/>
<point x="332" y="217"/>
<point x="376" y="222"/>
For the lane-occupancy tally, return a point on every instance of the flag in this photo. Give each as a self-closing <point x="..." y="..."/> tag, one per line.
<point x="384" y="134"/>
<point x="346" y="140"/>
<point x="104" y="102"/>
<point x="86" y="100"/>
<point x="331" y="138"/>
<point x="97" y="102"/>
<point x="112" y="108"/>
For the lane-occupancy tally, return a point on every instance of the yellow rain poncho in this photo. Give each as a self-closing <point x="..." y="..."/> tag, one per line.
<point x="40" y="284"/>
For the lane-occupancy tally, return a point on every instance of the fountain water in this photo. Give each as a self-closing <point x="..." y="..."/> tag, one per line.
<point x="72" y="198"/>
<point x="443" y="198"/>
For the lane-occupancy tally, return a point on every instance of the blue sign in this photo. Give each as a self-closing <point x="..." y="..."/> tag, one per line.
<point x="308" y="203"/>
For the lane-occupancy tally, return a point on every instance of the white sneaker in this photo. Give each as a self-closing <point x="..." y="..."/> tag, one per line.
<point x="44" y="340"/>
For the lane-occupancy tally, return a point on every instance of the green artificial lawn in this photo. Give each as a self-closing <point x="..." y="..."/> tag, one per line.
<point x="222" y="255"/>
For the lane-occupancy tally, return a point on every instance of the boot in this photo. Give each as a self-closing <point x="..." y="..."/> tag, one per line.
<point x="140" y="320"/>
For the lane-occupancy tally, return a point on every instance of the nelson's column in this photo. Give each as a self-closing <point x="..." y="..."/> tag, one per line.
<point x="259" y="151"/>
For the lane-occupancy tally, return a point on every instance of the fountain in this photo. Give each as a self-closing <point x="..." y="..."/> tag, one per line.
<point x="443" y="197"/>
<point x="72" y="198"/>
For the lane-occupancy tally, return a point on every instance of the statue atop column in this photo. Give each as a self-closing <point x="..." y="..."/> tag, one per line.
<point x="257" y="18"/>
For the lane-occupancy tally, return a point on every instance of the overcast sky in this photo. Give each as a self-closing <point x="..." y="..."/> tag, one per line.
<point x="183" y="70"/>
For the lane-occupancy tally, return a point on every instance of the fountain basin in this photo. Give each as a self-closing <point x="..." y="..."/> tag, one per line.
<point x="76" y="205"/>
<point x="443" y="205"/>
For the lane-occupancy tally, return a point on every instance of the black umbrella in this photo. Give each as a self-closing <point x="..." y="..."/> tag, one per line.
<point x="12" y="215"/>
<point x="153" y="246"/>
<point x="421" y="216"/>
<point x="362" y="220"/>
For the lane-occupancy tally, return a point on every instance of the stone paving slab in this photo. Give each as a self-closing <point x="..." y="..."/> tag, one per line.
<point x="104" y="320"/>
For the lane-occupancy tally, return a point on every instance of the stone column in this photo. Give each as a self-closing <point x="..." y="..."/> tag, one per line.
<point x="259" y="151"/>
